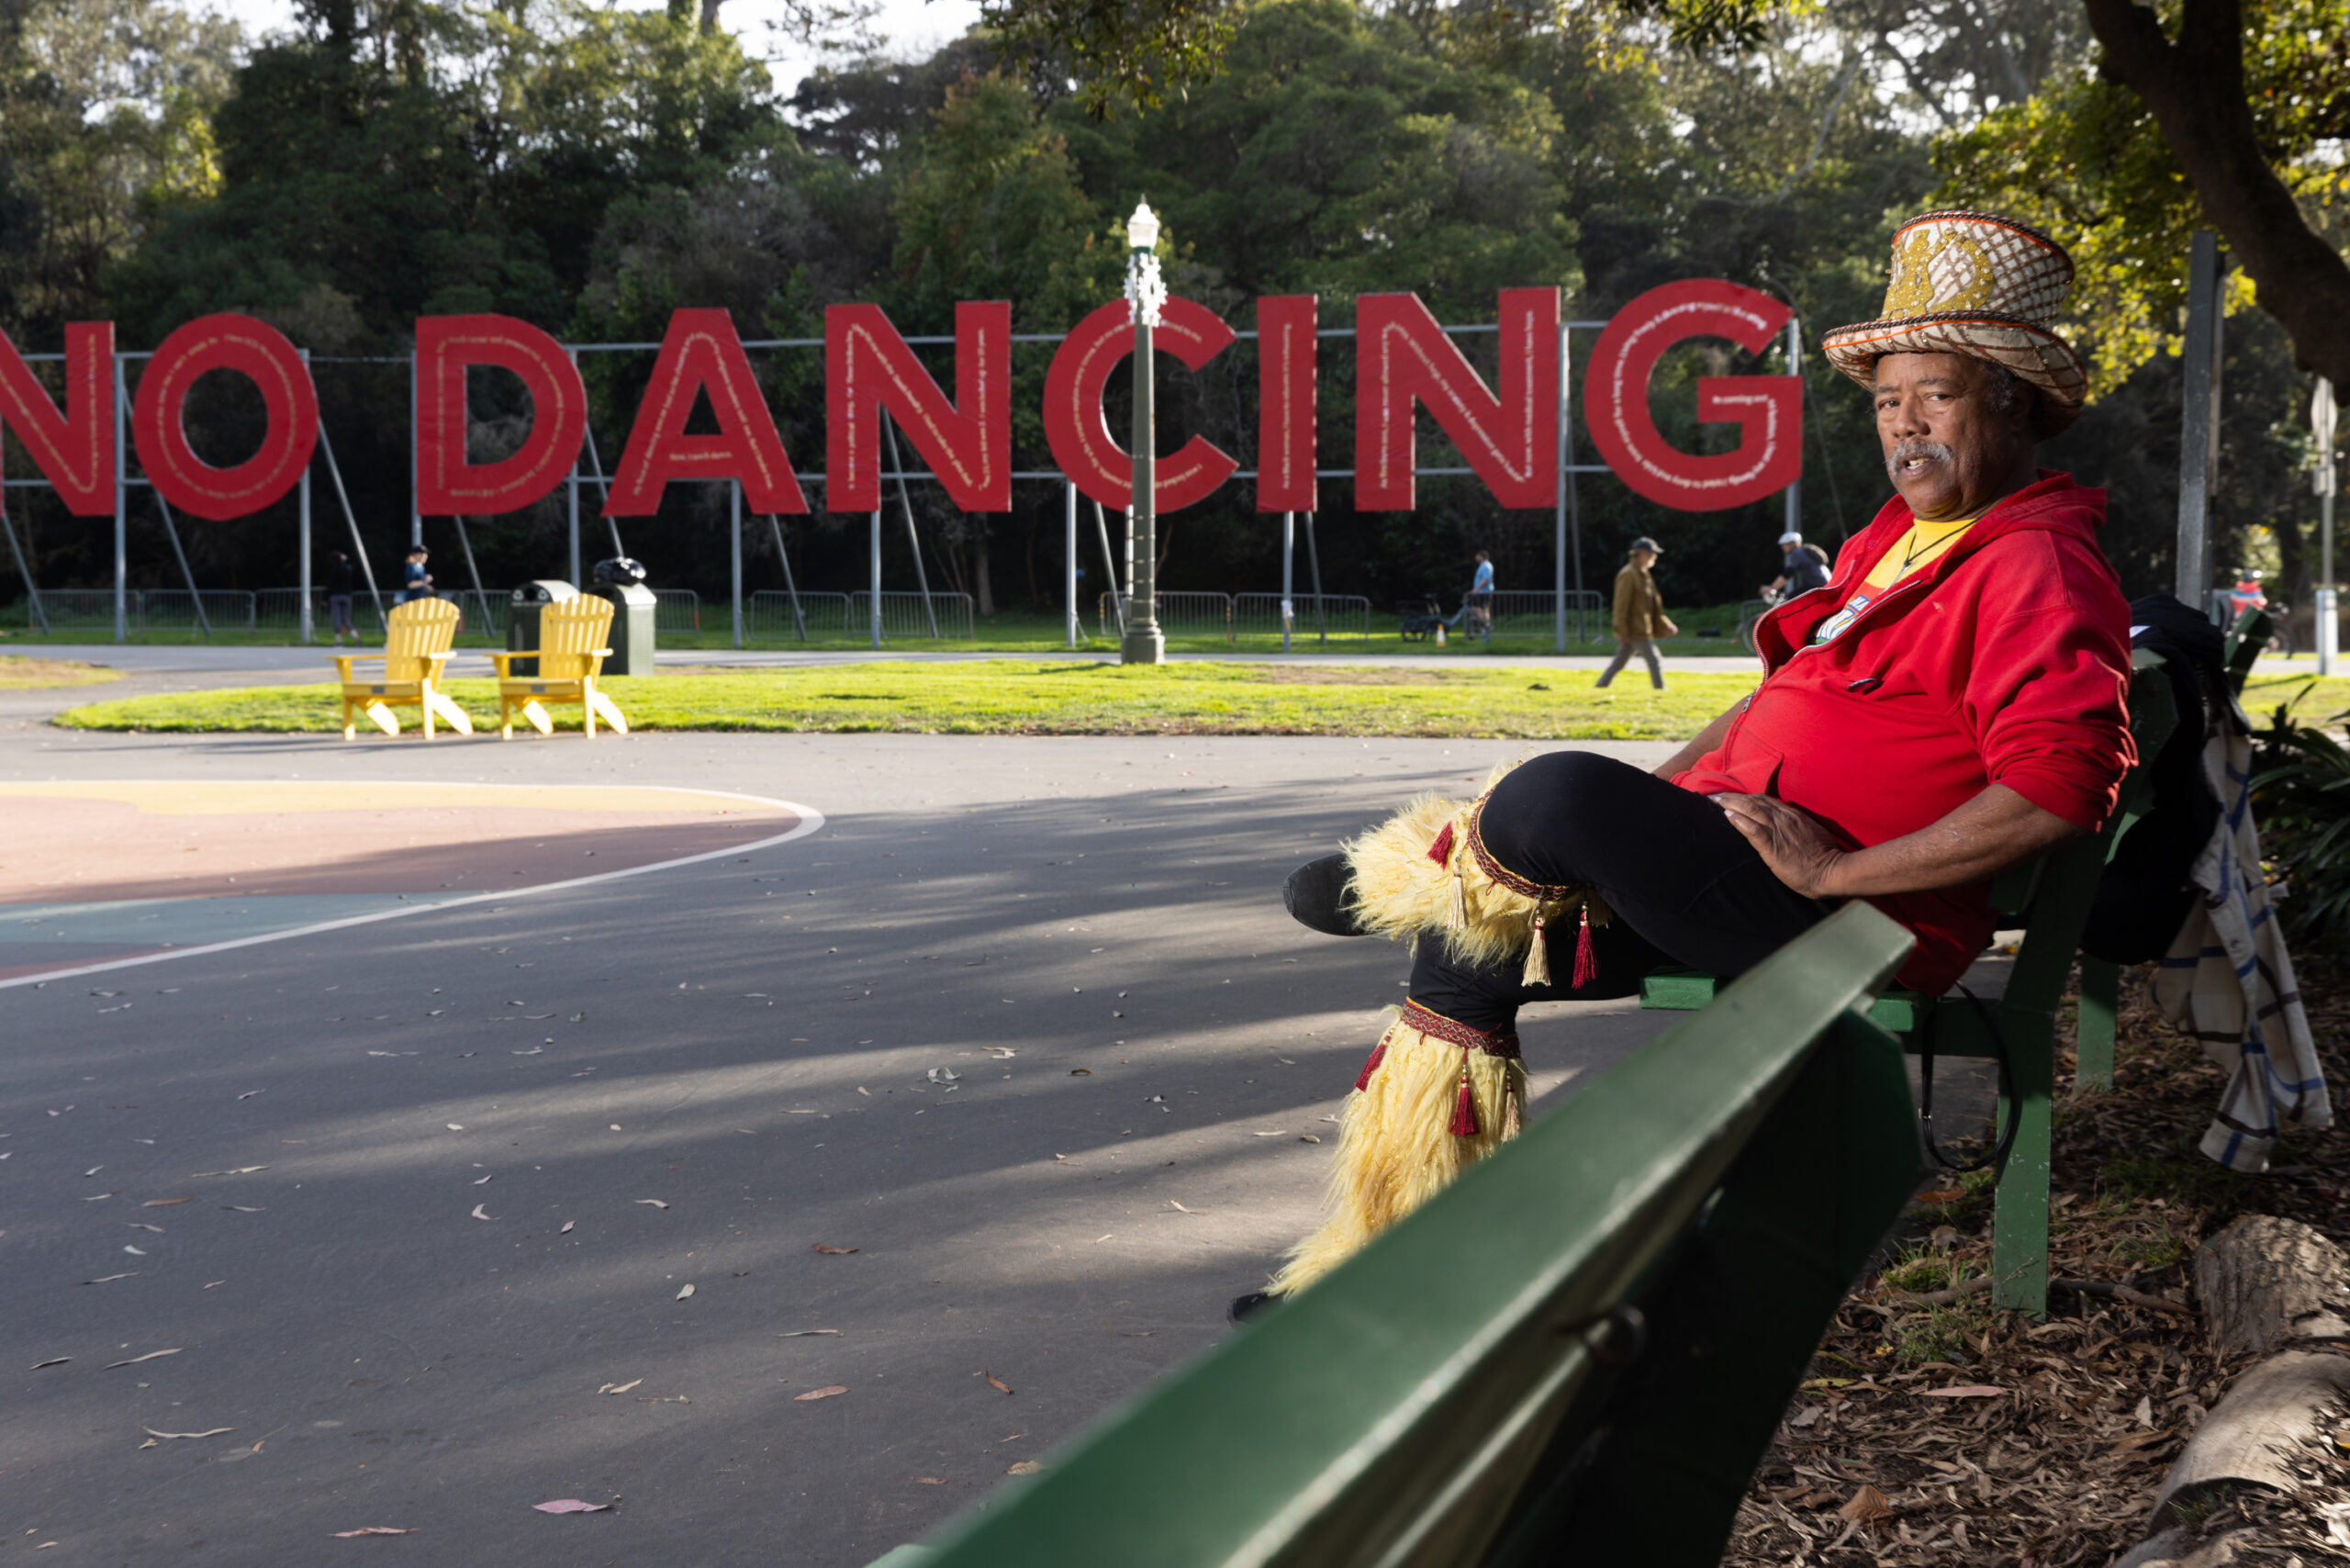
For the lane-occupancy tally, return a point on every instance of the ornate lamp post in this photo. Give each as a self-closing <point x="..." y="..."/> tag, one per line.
<point x="1145" y="294"/>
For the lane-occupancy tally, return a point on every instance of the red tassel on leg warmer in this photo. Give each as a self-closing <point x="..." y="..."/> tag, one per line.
<point x="1586" y="961"/>
<point x="1464" y="1108"/>
<point x="1378" y="1054"/>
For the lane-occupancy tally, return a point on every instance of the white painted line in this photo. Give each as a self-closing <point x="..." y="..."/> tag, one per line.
<point x="810" y="821"/>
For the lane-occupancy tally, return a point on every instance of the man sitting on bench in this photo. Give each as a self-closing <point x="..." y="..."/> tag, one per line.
<point x="1952" y="705"/>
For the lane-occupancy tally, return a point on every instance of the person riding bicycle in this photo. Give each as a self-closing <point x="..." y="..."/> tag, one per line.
<point x="1802" y="567"/>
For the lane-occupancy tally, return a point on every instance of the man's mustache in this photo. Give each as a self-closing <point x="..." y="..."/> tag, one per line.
<point x="1914" y="447"/>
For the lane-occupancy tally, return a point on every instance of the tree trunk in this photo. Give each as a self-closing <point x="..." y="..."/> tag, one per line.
<point x="983" y="590"/>
<point x="2195" y="90"/>
<point x="2266" y="1282"/>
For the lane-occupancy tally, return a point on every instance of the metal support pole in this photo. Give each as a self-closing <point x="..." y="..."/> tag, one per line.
<point x="24" y="566"/>
<point x="308" y="633"/>
<point x="572" y="485"/>
<point x="914" y="540"/>
<point x="171" y="531"/>
<point x="1289" y="558"/>
<point x="1069" y="554"/>
<point x="799" y="622"/>
<point x="1143" y="643"/>
<point x="1110" y="564"/>
<point x="604" y="488"/>
<point x="1794" y="485"/>
<point x="1559" y="523"/>
<point x="415" y="517"/>
<point x="1314" y="565"/>
<point x="466" y="543"/>
<point x="2198" y="447"/>
<point x="2328" y="626"/>
<point x="875" y="617"/>
<point x="358" y="545"/>
<point x="735" y="491"/>
<point x="121" y="512"/>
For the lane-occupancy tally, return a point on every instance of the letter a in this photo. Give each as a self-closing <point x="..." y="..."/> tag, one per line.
<point x="701" y="353"/>
<point x="868" y="368"/>
<point x="73" y="446"/>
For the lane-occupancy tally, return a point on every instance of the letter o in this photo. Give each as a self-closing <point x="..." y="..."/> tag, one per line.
<point x="253" y="349"/>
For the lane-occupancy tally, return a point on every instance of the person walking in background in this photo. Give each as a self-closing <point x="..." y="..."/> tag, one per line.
<point x="338" y="582"/>
<point x="1477" y="604"/>
<point x="415" y="581"/>
<point x="1639" y="614"/>
<point x="1802" y="567"/>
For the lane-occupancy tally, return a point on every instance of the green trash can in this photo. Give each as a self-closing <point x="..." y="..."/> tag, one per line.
<point x="631" y="635"/>
<point x="523" y="618"/>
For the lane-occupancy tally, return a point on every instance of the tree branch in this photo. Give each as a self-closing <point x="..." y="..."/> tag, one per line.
<point x="2195" y="91"/>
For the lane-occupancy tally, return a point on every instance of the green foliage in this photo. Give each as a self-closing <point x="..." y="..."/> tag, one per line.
<point x="2191" y="1182"/>
<point x="2300" y="793"/>
<point x="1939" y="1334"/>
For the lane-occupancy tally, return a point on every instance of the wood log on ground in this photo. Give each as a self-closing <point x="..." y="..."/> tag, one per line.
<point x="2268" y="1419"/>
<point x="2268" y="1282"/>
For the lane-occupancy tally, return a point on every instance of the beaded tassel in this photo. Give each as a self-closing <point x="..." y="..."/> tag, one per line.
<point x="1464" y="1108"/>
<point x="1378" y="1054"/>
<point x="1538" y="955"/>
<point x="1586" y="960"/>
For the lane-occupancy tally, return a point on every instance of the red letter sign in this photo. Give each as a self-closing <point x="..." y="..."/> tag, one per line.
<point x="72" y="447"/>
<point x="445" y="347"/>
<point x="1769" y="455"/>
<point x="1511" y="441"/>
<point x="260" y="353"/>
<point x="1081" y="437"/>
<point x="1285" y="403"/>
<point x="867" y="363"/>
<point x="701" y="353"/>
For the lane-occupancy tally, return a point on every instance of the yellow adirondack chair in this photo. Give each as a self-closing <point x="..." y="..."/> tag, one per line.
<point x="416" y="644"/>
<point x="571" y="654"/>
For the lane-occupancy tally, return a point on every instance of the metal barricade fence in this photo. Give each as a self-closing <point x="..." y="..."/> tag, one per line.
<point x="280" y="610"/>
<point x="1181" y="613"/>
<point x="74" y="610"/>
<point x="1340" y="615"/>
<point x="902" y="614"/>
<point x="175" y="610"/>
<point x="768" y="613"/>
<point x="677" y="609"/>
<point x="1533" y="613"/>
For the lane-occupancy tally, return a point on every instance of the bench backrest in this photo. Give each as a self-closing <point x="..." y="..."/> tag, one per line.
<point x="415" y="631"/>
<point x="570" y="632"/>
<point x="1589" y="1339"/>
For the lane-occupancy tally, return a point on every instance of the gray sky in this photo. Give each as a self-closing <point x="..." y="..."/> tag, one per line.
<point x="910" y="27"/>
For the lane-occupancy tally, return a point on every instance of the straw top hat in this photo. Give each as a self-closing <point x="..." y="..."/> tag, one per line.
<point x="1980" y="284"/>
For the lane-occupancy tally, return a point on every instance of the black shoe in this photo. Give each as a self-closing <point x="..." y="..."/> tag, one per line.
<point x="1317" y="894"/>
<point x="1254" y="1305"/>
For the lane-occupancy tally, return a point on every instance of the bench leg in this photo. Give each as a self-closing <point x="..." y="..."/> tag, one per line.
<point x="2100" y="994"/>
<point x="2019" y="1223"/>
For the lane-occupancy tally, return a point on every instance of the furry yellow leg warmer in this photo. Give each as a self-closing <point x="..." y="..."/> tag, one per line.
<point x="1436" y="1097"/>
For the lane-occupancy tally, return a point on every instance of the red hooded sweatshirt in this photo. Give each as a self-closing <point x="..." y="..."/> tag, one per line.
<point x="2007" y="662"/>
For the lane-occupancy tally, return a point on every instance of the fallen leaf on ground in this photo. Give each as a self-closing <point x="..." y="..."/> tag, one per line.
<point x="1943" y="1196"/>
<point x="240" y="1209"/>
<point x="820" y="1393"/>
<point x="1173" y="1204"/>
<point x="830" y="1251"/>
<point x="683" y="1292"/>
<point x="619" y="1387"/>
<point x="250" y="1093"/>
<point x="491" y="1177"/>
<point x="150" y="1356"/>
<point x="370" y="1530"/>
<point x="931" y="1480"/>
<point x="166" y="1203"/>
<point x="135" y="1225"/>
<point x="798" y="1333"/>
<point x="478" y="1215"/>
<point x="566" y="1228"/>
<point x="1866" y="1504"/>
<point x="654" y="1201"/>
<point x="212" y="1432"/>
<point x="1081" y="1072"/>
<point x="109" y="1279"/>
<point x="995" y="1382"/>
<point x="240" y="1170"/>
<point x="1025" y="1467"/>
<point x="1307" y="1137"/>
<point x="1964" y="1391"/>
<point x="571" y="1506"/>
<point x="59" y="1361"/>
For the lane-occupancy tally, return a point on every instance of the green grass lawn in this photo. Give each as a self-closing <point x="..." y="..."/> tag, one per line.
<point x="1061" y="697"/>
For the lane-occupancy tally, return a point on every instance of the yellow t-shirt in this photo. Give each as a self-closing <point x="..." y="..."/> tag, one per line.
<point x="1925" y="544"/>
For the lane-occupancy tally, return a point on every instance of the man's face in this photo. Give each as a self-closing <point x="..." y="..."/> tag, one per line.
<point x="1643" y="559"/>
<point x="1950" y="451"/>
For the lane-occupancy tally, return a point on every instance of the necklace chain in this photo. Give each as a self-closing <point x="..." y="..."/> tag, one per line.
<point x="1910" y="556"/>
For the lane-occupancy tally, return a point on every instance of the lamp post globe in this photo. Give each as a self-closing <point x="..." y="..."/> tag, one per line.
<point x="1143" y="643"/>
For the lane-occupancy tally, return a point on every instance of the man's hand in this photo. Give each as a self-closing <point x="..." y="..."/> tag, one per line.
<point x="1799" y="851"/>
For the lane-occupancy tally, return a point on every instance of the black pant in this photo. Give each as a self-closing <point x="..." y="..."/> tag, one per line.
<point x="1685" y="886"/>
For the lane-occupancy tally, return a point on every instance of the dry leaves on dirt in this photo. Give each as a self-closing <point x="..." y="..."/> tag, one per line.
<point x="820" y="1393"/>
<point x="995" y="1382"/>
<point x="369" y="1530"/>
<point x="832" y="1251"/>
<point x="571" y="1506"/>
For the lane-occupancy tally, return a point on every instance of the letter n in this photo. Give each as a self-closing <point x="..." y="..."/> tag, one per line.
<point x="74" y="446"/>
<point x="968" y="442"/>
<point x="1510" y="441"/>
<point x="702" y="354"/>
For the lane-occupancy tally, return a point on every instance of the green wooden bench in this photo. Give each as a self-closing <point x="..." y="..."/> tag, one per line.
<point x="2050" y="898"/>
<point x="1584" y="1345"/>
